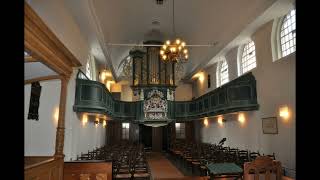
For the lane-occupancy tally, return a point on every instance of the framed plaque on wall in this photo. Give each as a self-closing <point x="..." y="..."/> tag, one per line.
<point x="269" y="125"/>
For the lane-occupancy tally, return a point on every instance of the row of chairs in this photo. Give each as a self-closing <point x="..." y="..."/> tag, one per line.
<point x="128" y="160"/>
<point x="195" y="156"/>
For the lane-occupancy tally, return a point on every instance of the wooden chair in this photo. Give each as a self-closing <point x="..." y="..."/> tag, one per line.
<point x="203" y="167"/>
<point x="262" y="166"/>
<point x="243" y="156"/>
<point x="123" y="171"/>
<point x="273" y="156"/>
<point x="140" y="171"/>
<point x="231" y="156"/>
<point x="253" y="155"/>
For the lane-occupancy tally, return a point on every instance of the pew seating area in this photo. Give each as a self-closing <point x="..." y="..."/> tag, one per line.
<point x="128" y="160"/>
<point x="195" y="156"/>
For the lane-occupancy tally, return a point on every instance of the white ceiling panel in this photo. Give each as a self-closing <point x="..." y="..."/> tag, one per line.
<point x="36" y="70"/>
<point x="196" y="22"/>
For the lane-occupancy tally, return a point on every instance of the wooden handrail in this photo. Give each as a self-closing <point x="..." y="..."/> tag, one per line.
<point x="29" y="59"/>
<point x="51" y="168"/>
<point x="39" y="163"/>
<point x="43" y="78"/>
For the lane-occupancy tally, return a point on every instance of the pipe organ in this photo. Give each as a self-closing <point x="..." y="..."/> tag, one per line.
<point x="149" y="70"/>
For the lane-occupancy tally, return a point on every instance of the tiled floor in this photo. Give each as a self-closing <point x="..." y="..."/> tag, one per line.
<point x="161" y="168"/>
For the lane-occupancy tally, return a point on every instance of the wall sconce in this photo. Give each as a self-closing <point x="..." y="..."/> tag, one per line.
<point x="221" y="121"/>
<point x="200" y="76"/>
<point x="241" y="118"/>
<point x="284" y="112"/>
<point x="109" y="84"/>
<point x="104" y="123"/>
<point x="108" y="74"/>
<point x="96" y="122"/>
<point x="104" y="74"/>
<point x="56" y="115"/>
<point x="205" y="122"/>
<point x="84" y="119"/>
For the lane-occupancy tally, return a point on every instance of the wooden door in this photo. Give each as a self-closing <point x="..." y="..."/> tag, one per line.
<point x="157" y="139"/>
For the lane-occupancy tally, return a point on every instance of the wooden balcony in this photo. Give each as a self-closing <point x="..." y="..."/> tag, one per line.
<point x="43" y="167"/>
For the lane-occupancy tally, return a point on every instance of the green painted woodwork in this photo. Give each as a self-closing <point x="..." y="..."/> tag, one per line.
<point x="237" y="95"/>
<point x="227" y="170"/>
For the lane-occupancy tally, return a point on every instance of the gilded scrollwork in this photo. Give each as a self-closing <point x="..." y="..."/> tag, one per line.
<point x="155" y="107"/>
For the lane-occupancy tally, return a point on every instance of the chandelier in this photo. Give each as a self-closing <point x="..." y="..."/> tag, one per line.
<point x="175" y="51"/>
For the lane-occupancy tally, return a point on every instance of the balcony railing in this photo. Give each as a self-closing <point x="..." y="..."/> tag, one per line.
<point x="237" y="95"/>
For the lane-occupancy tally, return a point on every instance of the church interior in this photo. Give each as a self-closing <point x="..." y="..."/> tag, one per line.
<point x="159" y="89"/>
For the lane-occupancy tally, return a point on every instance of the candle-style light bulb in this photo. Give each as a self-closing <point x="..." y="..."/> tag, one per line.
<point x="164" y="47"/>
<point x="164" y="57"/>
<point x="185" y="51"/>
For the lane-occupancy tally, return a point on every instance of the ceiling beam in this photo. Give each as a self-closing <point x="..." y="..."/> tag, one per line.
<point x="28" y="59"/>
<point x="45" y="46"/>
<point x="43" y="78"/>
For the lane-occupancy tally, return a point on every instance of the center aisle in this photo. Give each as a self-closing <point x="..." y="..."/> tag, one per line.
<point x="161" y="167"/>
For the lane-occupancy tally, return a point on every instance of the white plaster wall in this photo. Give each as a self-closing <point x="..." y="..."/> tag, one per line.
<point x="126" y="93"/>
<point x="183" y="92"/>
<point x="201" y="87"/>
<point x="79" y="138"/>
<point x="40" y="136"/>
<point x="275" y="87"/>
<point x="232" y="63"/>
<point x="242" y="136"/>
<point x="56" y="16"/>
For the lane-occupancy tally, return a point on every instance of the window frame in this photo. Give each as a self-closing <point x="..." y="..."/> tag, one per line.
<point x="88" y="66"/>
<point x="280" y="25"/>
<point x="125" y="131"/>
<point x="92" y="68"/>
<point x="178" y="132"/>
<point x="219" y="74"/>
<point x="275" y="37"/>
<point x="240" y="56"/>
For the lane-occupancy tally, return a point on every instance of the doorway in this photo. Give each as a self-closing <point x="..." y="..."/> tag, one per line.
<point x="146" y="136"/>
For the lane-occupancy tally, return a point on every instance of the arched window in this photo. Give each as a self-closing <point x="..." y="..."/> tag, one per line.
<point x="288" y="34"/>
<point x="248" y="58"/>
<point x="223" y="73"/>
<point x="88" y="69"/>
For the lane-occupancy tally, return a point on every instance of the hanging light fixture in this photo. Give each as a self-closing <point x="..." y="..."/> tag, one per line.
<point x="176" y="50"/>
